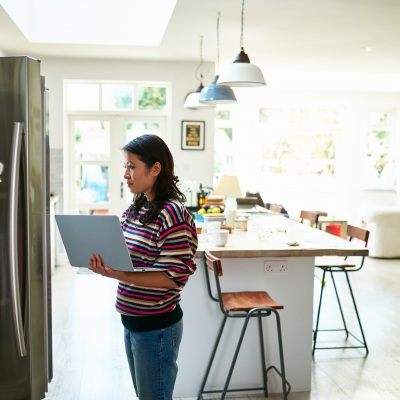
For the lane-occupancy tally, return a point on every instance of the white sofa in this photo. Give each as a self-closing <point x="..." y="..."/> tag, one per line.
<point x="384" y="227"/>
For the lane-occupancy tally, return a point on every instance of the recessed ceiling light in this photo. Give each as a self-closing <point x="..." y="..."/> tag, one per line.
<point x="367" y="49"/>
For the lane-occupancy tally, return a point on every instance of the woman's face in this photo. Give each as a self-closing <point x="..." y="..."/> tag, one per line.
<point x="139" y="178"/>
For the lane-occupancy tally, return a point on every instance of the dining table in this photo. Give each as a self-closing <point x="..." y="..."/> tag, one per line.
<point x="276" y="254"/>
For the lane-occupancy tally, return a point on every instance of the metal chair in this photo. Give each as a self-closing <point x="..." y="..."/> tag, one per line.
<point x="331" y="266"/>
<point x="246" y="305"/>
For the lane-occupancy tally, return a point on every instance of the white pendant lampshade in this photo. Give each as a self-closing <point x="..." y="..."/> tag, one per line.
<point x="217" y="94"/>
<point x="241" y="73"/>
<point x="192" y="100"/>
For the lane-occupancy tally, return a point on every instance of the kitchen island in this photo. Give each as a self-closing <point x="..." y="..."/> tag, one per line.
<point x="247" y="264"/>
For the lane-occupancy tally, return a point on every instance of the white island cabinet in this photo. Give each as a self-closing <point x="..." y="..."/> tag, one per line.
<point x="245" y="259"/>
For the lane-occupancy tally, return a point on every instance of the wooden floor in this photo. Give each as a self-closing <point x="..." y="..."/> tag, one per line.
<point x="90" y="364"/>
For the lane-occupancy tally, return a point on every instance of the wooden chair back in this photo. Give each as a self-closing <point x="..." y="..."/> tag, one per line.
<point x="275" y="208"/>
<point x="213" y="263"/>
<point x="361" y="234"/>
<point x="213" y="266"/>
<point x="310" y="216"/>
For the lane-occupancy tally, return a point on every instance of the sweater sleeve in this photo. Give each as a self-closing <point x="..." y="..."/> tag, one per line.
<point x="177" y="243"/>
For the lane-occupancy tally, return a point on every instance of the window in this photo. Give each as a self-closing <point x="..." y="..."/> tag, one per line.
<point x="116" y="96"/>
<point x="295" y="152"/>
<point x="379" y="171"/>
<point x="102" y="118"/>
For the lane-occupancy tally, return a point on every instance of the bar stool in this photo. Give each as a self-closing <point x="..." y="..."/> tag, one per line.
<point x="244" y="305"/>
<point x="333" y="265"/>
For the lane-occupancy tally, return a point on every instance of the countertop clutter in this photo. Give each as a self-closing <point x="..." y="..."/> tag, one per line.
<point x="284" y="233"/>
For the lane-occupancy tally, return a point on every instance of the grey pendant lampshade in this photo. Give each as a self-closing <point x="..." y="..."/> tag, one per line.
<point x="214" y="93"/>
<point x="217" y="94"/>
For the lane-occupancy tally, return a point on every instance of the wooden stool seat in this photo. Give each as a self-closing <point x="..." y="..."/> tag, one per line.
<point x="245" y="301"/>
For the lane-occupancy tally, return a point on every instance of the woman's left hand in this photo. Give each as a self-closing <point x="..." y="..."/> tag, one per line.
<point x="97" y="266"/>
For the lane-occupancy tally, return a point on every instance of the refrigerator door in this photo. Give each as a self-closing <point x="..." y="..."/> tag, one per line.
<point x="23" y="290"/>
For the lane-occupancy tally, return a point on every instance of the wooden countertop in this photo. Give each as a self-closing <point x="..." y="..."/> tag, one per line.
<point x="312" y="242"/>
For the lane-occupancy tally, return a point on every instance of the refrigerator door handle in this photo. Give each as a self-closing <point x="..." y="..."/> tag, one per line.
<point x="13" y="243"/>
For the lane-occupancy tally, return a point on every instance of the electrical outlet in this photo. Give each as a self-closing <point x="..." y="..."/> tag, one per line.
<point x="275" y="266"/>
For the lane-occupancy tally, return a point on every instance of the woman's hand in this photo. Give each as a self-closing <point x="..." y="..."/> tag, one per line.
<point x="97" y="266"/>
<point x="148" y="279"/>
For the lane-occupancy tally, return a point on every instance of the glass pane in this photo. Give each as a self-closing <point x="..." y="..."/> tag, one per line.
<point x="117" y="97"/>
<point x="378" y="118"/>
<point x="223" y="114"/>
<point x="92" y="140"/>
<point x="152" y="98"/>
<point x="300" y="154"/>
<point x="83" y="96"/>
<point x="378" y="151"/>
<point x="92" y="184"/>
<point x="138" y="128"/>
<point x="135" y="129"/>
<point x="327" y="117"/>
<point x="272" y="116"/>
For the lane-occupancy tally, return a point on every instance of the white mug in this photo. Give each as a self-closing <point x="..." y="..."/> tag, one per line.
<point x="219" y="237"/>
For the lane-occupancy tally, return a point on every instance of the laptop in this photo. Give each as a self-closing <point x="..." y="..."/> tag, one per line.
<point x="84" y="235"/>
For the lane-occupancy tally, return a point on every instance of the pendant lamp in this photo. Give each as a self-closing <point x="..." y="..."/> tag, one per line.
<point x="192" y="98"/>
<point x="241" y="72"/>
<point x="215" y="93"/>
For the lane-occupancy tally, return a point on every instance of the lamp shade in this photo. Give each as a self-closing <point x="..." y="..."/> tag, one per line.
<point x="192" y="100"/>
<point x="228" y="185"/>
<point x="241" y="73"/>
<point x="217" y="94"/>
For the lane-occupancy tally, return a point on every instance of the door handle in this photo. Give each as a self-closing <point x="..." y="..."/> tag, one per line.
<point x="13" y="239"/>
<point x="122" y="190"/>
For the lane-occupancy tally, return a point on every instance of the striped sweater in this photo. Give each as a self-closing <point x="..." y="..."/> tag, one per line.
<point x="169" y="242"/>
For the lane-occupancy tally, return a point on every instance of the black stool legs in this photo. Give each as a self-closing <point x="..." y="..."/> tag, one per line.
<point x="362" y="341"/>
<point x="258" y="313"/>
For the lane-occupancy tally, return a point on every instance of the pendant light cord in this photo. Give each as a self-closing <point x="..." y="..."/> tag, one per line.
<point x="242" y="23"/>
<point x="200" y="66"/>
<point x="218" y="15"/>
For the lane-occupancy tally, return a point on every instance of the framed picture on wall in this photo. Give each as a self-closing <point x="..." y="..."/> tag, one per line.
<point x="193" y="135"/>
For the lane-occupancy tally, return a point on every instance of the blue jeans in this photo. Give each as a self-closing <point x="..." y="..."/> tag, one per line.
<point x="152" y="359"/>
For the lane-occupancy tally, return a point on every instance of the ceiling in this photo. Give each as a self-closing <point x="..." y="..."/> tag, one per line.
<point x="322" y="42"/>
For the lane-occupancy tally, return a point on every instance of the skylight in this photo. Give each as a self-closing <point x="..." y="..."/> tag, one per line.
<point x="97" y="22"/>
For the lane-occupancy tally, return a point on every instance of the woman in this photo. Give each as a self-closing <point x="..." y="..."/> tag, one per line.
<point x="160" y="233"/>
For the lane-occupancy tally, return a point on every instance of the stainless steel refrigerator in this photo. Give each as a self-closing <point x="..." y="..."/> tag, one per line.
<point x="25" y="270"/>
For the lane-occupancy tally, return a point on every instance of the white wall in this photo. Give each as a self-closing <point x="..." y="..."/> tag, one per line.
<point x="193" y="165"/>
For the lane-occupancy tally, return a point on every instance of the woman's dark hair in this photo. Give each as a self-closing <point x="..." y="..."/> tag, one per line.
<point x="151" y="149"/>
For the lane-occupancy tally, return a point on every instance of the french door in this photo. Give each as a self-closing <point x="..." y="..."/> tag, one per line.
<point x="95" y="161"/>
